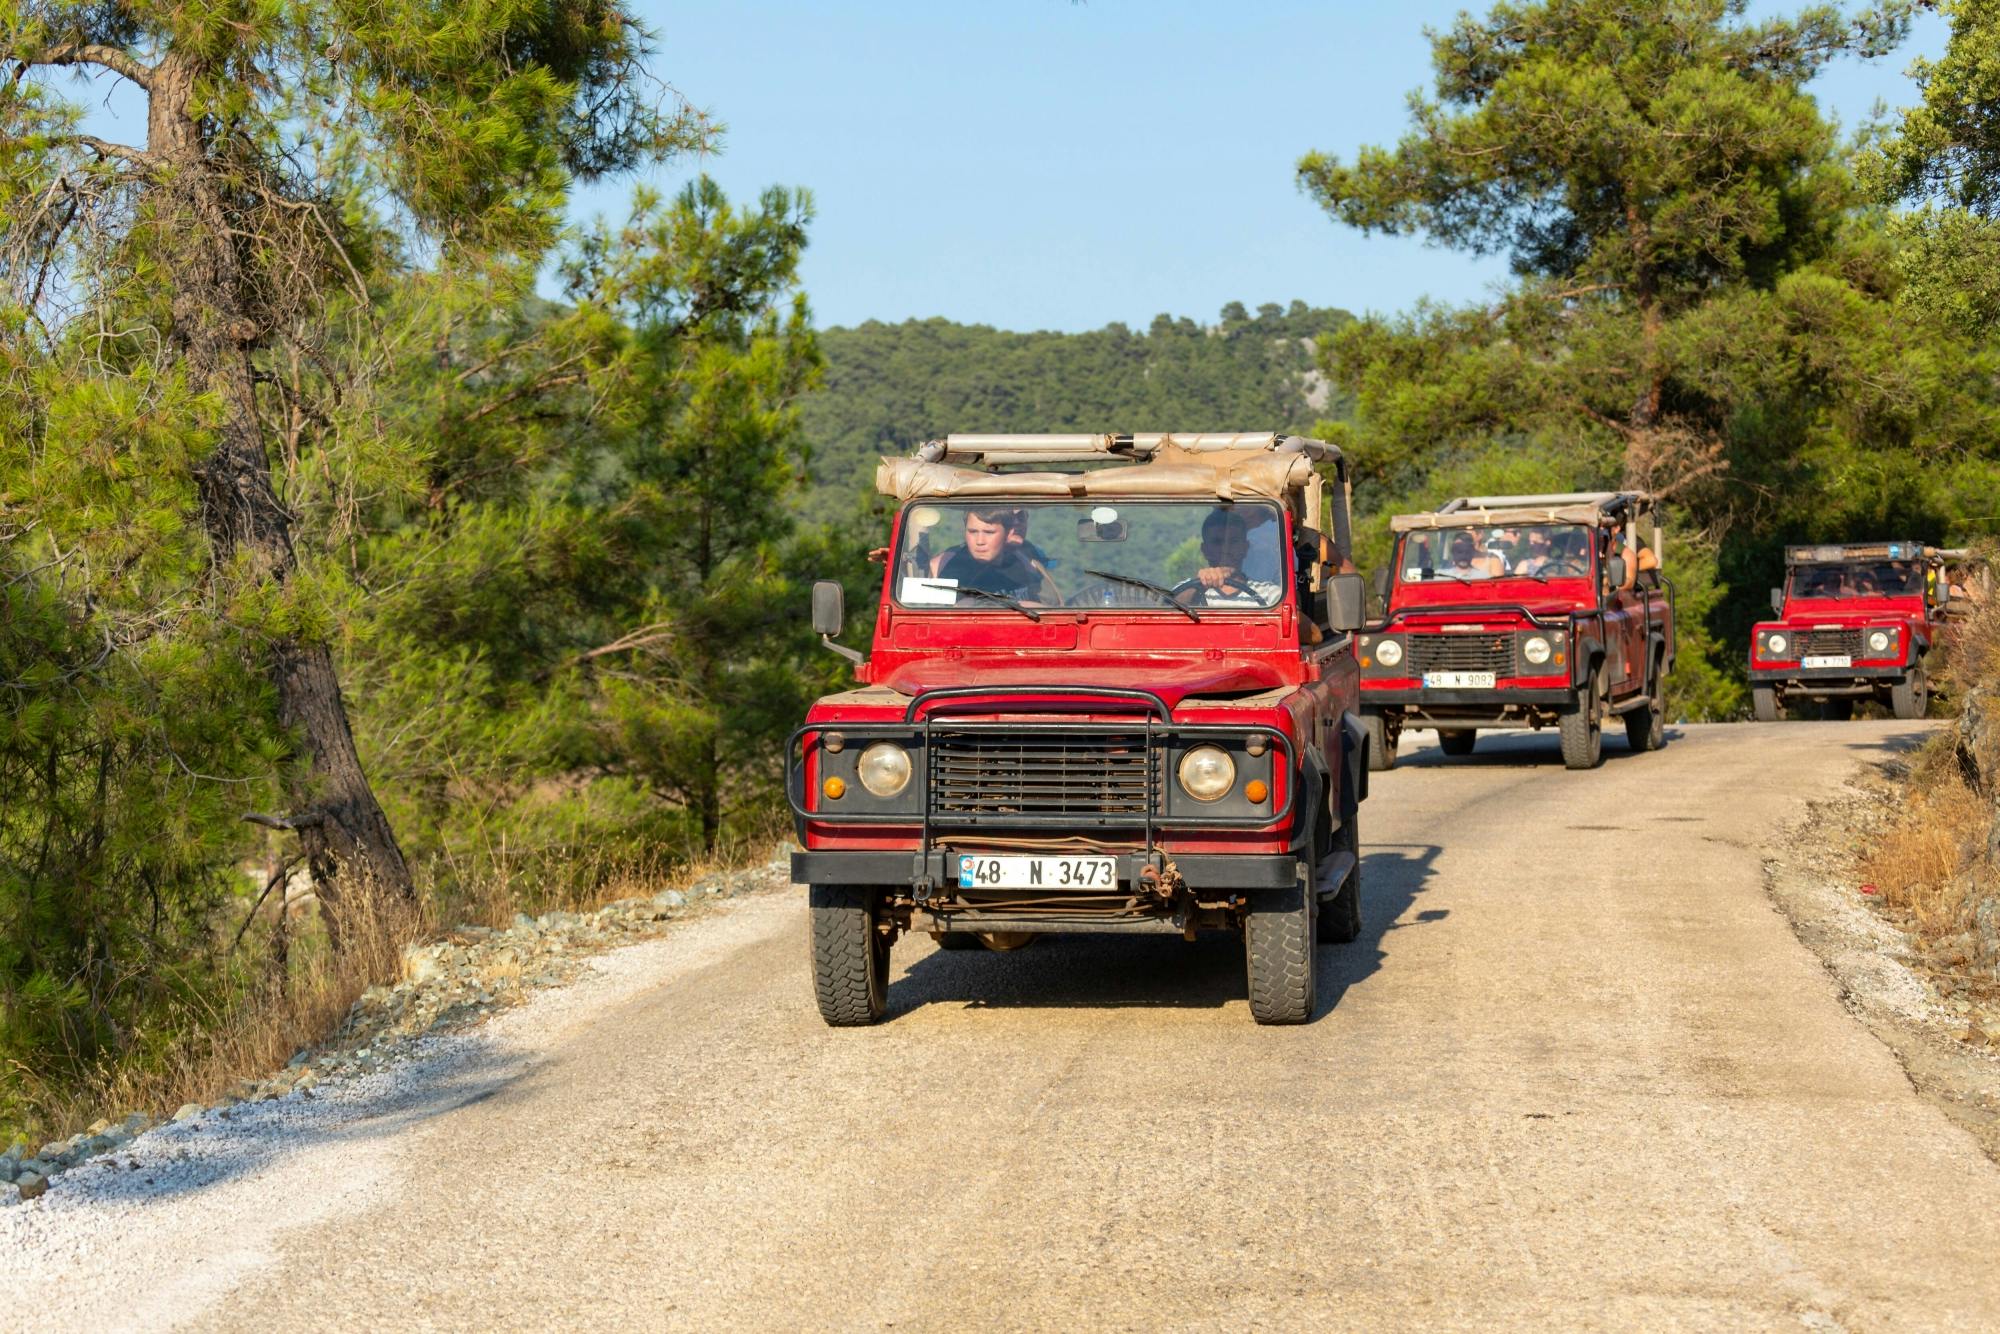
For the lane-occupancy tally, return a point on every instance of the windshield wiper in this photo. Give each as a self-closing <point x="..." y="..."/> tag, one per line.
<point x="1004" y="599"/>
<point x="1166" y="594"/>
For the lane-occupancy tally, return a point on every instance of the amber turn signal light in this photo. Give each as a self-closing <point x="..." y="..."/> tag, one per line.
<point x="834" y="788"/>
<point x="1256" y="790"/>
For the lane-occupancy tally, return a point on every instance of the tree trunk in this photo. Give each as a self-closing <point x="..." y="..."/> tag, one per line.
<point x="343" y="832"/>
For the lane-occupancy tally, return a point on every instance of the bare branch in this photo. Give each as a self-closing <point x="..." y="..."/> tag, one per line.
<point x="138" y="157"/>
<point x="92" y="53"/>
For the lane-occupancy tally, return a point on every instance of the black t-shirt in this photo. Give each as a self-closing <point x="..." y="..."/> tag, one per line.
<point x="1010" y="574"/>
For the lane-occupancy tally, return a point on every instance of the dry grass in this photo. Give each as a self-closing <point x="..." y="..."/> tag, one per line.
<point x="1927" y="864"/>
<point x="251" y="1034"/>
<point x="1930" y="863"/>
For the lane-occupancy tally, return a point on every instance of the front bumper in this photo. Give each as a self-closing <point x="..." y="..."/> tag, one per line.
<point x="1830" y="682"/>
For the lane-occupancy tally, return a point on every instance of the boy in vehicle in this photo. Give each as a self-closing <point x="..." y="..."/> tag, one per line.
<point x="986" y="560"/>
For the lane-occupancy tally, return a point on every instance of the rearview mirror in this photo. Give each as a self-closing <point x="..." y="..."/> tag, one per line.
<point x="1614" y="571"/>
<point x="829" y="607"/>
<point x="1777" y="602"/>
<point x="1345" y="593"/>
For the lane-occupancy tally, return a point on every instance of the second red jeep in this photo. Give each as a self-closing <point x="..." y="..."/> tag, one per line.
<point x="1521" y="611"/>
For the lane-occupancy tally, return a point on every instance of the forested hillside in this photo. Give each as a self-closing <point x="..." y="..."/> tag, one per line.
<point x="890" y="386"/>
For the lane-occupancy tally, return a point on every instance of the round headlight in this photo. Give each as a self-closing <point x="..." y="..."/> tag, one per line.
<point x="1879" y="641"/>
<point x="1388" y="653"/>
<point x="1777" y="644"/>
<point x="884" y="768"/>
<point x="1207" y="773"/>
<point x="1536" y="650"/>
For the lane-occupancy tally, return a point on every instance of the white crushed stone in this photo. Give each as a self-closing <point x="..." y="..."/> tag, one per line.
<point x="152" y="1245"/>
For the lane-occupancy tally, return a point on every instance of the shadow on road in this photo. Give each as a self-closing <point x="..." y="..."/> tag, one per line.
<point x="1145" y="971"/>
<point x="1521" y="750"/>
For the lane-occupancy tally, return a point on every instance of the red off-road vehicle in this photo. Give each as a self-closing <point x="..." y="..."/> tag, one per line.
<point x="1112" y="689"/>
<point x="1854" y="622"/>
<point x="1511" y="611"/>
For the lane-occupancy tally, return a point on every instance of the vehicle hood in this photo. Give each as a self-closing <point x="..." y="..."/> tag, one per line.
<point x="1173" y="678"/>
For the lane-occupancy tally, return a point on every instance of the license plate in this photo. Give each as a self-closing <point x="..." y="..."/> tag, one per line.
<point x="1827" y="660"/>
<point x="1459" y="680"/>
<point x="1037" y="873"/>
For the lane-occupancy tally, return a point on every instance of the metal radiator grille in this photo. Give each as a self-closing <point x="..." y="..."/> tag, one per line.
<point x="993" y="774"/>
<point x="1819" y="642"/>
<point x="1462" y="653"/>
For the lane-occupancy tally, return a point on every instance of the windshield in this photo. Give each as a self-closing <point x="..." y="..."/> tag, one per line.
<point x="1173" y="555"/>
<point x="1861" y="579"/>
<point x="1541" y="551"/>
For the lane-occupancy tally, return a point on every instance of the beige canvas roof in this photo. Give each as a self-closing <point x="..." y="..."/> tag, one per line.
<point x="1184" y="466"/>
<point x="1582" y="507"/>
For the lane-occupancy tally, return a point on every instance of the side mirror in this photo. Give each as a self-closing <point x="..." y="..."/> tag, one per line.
<point x="1381" y="583"/>
<point x="829" y="607"/>
<point x="1345" y="595"/>
<point x="1614" y="571"/>
<point x="1777" y="602"/>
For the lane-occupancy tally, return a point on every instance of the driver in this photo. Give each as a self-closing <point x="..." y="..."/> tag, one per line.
<point x="1538" y="552"/>
<point x="986" y="560"/>
<point x="1221" y="582"/>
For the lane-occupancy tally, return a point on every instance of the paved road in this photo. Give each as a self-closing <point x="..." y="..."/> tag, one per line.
<point x="1577" y="1072"/>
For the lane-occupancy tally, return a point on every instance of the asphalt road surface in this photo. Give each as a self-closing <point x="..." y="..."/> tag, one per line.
<point x="1577" y="1072"/>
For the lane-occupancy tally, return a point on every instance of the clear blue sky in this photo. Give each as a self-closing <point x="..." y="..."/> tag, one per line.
<point x="1037" y="164"/>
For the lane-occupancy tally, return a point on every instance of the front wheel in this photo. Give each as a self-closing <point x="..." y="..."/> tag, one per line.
<point x="1381" y="742"/>
<point x="1582" y="731"/>
<point x="1911" y="696"/>
<point x="1764" y="703"/>
<point x="1457" y="741"/>
<point x="850" y="958"/>
<point x="1278" y="951"/>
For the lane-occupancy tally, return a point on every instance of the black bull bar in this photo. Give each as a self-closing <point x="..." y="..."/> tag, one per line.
<point x="1158" y="729"/>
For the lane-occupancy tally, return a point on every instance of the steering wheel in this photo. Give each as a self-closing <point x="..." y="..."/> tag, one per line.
<point x="1567" y="565"/>
<point x="1236" y="581"/>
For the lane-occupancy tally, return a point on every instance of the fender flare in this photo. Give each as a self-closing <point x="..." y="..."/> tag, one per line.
<point x="1354" y="760"/>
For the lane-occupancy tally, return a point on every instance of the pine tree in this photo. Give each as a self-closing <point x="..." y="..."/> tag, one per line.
<point x="217" y="244"/>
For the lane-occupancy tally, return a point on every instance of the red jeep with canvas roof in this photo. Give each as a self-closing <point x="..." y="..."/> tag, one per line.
<point x="1513" y="611"/>
<point x="1853" y="623"/>
<point x="1111" y="689"/>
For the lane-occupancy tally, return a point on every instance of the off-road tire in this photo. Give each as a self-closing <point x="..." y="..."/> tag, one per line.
<point x="850" y="958"/>
<point x="1764" y="703"/>
<point x="1836" y="710"/>
<point x="959" y="940"/>
<point x="1381" y="742"/>
<point x="1339" y="918"/>
<point x="1582" y="730"/>
<point x="1646" y="728"/>
<point x="1457" y="741"/>
<point x="1278" y="949"/>
<point x="1911" y="696"/>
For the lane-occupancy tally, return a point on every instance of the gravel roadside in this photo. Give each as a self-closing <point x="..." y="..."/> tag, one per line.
<point x="1947" y="1042"/>
<point x="207" y="1195"/>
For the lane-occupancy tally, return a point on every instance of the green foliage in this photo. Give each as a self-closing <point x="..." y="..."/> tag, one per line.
<point x="1944" y="155"/>
<point x="890" y="387"/>
<point x="1705" y="308"/>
